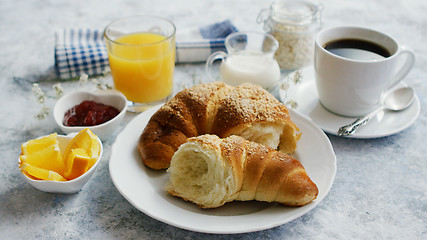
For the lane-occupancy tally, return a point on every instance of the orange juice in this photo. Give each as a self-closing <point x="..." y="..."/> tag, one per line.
<point x="142" y="66"/>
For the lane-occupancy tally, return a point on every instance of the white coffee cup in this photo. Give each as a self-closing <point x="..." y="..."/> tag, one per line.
<point x="351" y="85"/>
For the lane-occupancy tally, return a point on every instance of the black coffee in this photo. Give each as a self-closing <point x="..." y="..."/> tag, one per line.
<point x="357" y="49"/>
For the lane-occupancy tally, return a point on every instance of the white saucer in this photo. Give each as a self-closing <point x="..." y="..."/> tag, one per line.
<point x="384" y="124"/>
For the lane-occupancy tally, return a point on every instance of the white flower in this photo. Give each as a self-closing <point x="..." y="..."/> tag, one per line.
<point x="83" y="78"/>
<point x="41" y="97"/>
<point x="106" y="71"/>
<point x="297" y="77"/>
<point x="58" y="90"/>
<point x="100" y="85"/>
<point x="285" y="86"/>
<point x="44" y="112"/>
<point x="293" y="104"/>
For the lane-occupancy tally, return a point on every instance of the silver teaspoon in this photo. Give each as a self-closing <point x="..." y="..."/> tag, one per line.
<point x="396" y="100"/>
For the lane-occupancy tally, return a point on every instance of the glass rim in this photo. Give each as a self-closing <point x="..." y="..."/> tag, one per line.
<point x="311" y="14"/>
<point x="169" y="37"/>
<point x="267" y="35"/>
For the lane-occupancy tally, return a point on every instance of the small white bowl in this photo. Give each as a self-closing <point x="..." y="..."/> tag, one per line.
<point x="71" y="186"/>
<point x="108" y="97"/>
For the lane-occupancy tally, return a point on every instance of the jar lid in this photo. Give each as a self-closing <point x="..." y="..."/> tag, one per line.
<point x="295" y="12"/>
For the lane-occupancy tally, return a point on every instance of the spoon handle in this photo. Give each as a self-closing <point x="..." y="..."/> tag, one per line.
<point x="352" y="127"/>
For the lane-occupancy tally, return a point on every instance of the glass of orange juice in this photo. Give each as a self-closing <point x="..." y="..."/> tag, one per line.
<point x="141" y="52"/>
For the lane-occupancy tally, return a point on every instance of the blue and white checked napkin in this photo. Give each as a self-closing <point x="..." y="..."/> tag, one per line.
<point x="79" y="51"/>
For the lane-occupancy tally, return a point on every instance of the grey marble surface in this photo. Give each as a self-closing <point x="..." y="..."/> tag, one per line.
<point x="380" y="187"/>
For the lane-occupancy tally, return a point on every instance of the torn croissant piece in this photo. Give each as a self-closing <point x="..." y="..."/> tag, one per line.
<point x="215" y="108"/>
<point x="210" y="171"/>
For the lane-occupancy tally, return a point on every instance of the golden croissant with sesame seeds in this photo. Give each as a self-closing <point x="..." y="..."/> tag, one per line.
<point x="211" y="171"/>
<point x="216" y="108"/>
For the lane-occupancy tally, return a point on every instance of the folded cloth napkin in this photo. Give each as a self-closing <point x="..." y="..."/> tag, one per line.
<point x="79" y="51"/>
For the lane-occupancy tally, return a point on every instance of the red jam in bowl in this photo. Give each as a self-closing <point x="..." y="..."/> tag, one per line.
<point x="89" y="113"/>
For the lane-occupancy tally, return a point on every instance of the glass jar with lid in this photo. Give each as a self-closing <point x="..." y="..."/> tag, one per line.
<point x="294" y="24"/>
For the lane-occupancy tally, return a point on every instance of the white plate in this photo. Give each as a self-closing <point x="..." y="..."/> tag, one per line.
<point x="385" y="124"/>
<point x="143" y="187"/>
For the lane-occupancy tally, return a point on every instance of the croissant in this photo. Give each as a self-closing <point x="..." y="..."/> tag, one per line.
<point x="210" y="171"/>
<point x="215" y="108"/>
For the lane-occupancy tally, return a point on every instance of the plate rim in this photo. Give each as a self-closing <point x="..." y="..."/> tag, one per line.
<point x="303" y="210"/>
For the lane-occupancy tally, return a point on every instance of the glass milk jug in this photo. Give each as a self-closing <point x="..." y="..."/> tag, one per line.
<point x="249" y="58"/>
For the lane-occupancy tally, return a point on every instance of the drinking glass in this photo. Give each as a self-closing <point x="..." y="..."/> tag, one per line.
<point x="141" y="52"/>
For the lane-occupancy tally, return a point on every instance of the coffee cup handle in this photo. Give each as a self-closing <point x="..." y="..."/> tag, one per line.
<point x="406" y="66"/>
<point x="212" y="58"/>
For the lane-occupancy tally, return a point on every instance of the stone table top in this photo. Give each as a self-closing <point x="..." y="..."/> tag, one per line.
<point x="380" y="187"/>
